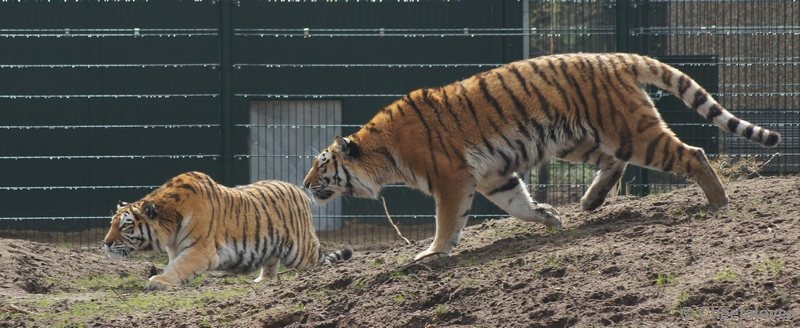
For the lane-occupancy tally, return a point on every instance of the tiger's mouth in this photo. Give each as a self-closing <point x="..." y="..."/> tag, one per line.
<point x="321" y="195"/>
<point x="118" y="250"/>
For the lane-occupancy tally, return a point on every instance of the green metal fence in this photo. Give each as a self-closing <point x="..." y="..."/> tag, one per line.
<point x="102" y="101"/>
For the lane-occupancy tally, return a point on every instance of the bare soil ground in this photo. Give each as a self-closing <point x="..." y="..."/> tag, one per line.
<point x="653" y="261"/>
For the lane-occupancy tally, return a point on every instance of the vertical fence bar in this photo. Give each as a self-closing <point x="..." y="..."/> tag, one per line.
<point x="226" y="88"/>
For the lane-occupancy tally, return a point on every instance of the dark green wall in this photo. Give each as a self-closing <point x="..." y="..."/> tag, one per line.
<point x="189" y="94"/>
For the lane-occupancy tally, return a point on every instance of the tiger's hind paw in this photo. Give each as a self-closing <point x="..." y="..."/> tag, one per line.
<point x="157" y="283"/>
<point x="429" y="255"/>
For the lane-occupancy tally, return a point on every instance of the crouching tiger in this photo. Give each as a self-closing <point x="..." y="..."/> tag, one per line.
<point x="476" y="134"/>
<point x="204" y="226"/>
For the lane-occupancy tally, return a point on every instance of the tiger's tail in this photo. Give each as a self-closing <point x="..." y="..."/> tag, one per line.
<point x="340" y="255"/>
<point x="654" y="72"/>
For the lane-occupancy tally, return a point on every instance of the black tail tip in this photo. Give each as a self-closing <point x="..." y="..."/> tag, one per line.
<point x="347" y="254"/>
<point x="772" y="139"/>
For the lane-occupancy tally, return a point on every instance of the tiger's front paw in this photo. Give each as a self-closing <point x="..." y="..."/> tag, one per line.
<point x="549" y="216"/>
<point x="158" y="283"/>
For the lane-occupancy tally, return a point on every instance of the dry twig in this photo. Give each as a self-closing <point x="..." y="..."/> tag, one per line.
<point x="767" y="162"/>
<point x="392" y="223"/>
<point x="120" y="297"/>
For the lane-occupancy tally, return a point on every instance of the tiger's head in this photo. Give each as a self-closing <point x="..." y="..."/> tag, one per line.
<point x="340" y="170"/>
<point x="132" y="228"/>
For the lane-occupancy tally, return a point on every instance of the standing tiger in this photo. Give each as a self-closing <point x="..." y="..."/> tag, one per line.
<point x="204" y="226"/>
<point x="476" y="134"/>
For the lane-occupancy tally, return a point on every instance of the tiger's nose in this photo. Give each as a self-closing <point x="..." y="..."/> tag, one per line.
<point x="306" y="184"/>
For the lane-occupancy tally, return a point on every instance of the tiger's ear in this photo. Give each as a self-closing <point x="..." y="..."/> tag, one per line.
<point x="121" y="204"/>
<point x="149" y="210"/>
<point x="347" y="146"/>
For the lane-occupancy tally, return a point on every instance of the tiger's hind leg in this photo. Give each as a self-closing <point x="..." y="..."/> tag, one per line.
<point x="269" y="270"/>
<point x="658" y="148"/>
<point x="688" y="161"/>
<point x="510" y="194"/>
<point x="603" y="183"/>
<point x="609" y="173"/>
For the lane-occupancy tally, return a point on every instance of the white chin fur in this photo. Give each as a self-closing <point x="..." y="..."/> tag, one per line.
<point x="320" y="201"/>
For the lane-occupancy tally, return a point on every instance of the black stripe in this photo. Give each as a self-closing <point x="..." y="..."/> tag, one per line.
<point x="427" y="130"/>
<point x="385" y="152"/>
<point x="651" y="149"/>
<point x="592" y="150"/>
<point x="511" y="184"/>
<point x="545" y="104"/>
<point x="488" y="145"/>
<point x="469" y="105"/>
<point x="430" y="104"/>
<point x="598" y="112"/>
<point x="524" y="130"/>
<point x="523" y="150"/>
<point x="517" y="103"/>
<point x="430" y="184"/>
<point x="714" y="111"/>
<point x="520" y="79"/>
<point x="700" y="97"/>
<point x="683" y="84"/>
<point x="668" y="158"/>
<point x="490" y="98"/>
<point x="449" y="107"/>
<point x="748" y="132"/>
<point x="733" y="123"/>
<point x="666" y="76"/>
<point x="646" y="122"/>
<point x="539" y="72"/>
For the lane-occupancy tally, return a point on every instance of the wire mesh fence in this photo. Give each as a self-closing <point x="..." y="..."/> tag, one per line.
<point x="116" y="101"/>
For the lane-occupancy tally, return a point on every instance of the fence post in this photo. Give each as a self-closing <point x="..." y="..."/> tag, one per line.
<point x="226" y="88"/>
<point x="633" y="14"/>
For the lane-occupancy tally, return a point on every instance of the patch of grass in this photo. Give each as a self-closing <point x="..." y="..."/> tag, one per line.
<point x="678" y="212"/>
<point x="553" y="260"/>
<point x="772" y="266"/>
<point x="398" y="274"/>
<point x="377" y="262"/>
<point x="683" y="296"/>
<point x="725" y="275"/>
<point x="472" y="260"/>
<point x="360" y="283"/>
<point x="439" y="313"/>
<point x="98" y="282"/>
<point x="111" y="304"/>
<point x="197" y="281"/>
<point x="399" y="298"/>
<point x="663" y="279"/>
<point x="403" y="258"/>
<point x="700" y="215"/>
<point x="237" y="280"/>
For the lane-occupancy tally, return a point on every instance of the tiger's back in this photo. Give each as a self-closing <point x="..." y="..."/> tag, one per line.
<point x="476" y="134"/>
<point x="203" y="226"/>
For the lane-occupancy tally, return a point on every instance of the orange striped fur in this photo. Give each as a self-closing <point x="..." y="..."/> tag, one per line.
<point x="476" y="134"/>
<point x="204" y="226"/>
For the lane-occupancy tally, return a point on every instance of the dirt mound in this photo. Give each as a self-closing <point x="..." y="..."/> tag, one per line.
<point x="665" y="260"/>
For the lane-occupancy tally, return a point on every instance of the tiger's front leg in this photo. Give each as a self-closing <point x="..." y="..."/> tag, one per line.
<point x="452" y="209"/>
<point x="510" y="194"/>
<point x="187" y="265"/>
